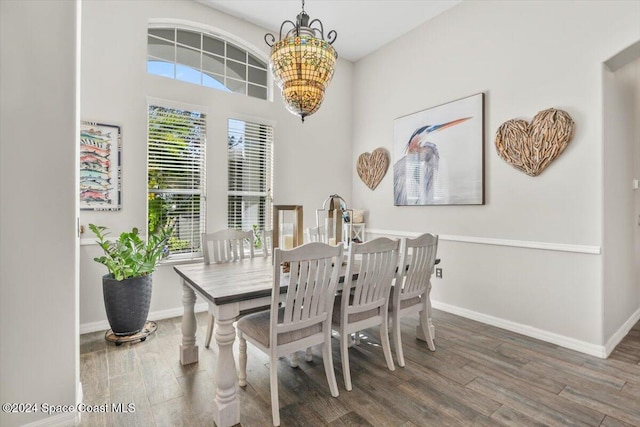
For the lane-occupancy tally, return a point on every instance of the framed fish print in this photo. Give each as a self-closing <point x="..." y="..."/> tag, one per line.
<point x="100" y="146"/>
<point x="439" y="155"/>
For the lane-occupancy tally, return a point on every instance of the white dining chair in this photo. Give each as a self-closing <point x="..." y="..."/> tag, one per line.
<point x="225" y="246"/>
<point x="267" y="250"/>
<point x="411" y="292"/>
<point x="364" y="300"/>
<point x="267" y="242"/>
<point x="316" y="234"/>
<point x="304" y="319"/>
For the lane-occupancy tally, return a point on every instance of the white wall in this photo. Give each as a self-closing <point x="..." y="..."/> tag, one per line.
<point x="621" y="90"/>
<point x="493" y="47"/>
<point x="637" y="177"/>
<point x="312" y="160"/>
<point x="38" y="184"/>
<point x="526" y="57"/>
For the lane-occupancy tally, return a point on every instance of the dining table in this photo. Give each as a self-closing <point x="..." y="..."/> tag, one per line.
<point x="229" y="289"/>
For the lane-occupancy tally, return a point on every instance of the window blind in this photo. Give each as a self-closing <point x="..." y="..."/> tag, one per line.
<point x="250" y="157"/>
<point x="176" y="176"/>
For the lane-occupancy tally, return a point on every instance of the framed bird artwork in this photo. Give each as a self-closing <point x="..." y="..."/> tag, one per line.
<point x="439" y="155"/>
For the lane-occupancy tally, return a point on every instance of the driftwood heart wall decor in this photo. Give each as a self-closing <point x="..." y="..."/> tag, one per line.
<point x="372" y="167"/>
<point x="531" y="147"/>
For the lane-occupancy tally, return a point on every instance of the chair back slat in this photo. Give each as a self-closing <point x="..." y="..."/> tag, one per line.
<point x="227" y="245"/>
<point x="309" y="291"/>
<point x="420" y="254"/>
<point x="311" y="284"/>
<point x="377" y="260"/>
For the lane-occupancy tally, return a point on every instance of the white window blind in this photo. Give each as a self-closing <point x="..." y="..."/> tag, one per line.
<point x="250" y="156"/>
<point x="176" y="176"/>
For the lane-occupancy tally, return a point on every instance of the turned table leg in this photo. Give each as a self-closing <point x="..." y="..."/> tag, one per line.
<point x="188" y="348"/>
<point x="226" y="404"/>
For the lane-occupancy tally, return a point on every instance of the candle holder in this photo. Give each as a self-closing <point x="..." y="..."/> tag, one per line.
<point x="332" y="216"/>
<point x="287" y="228"/>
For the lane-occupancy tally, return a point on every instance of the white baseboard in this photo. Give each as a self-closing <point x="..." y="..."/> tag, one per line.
<point x="622" y="332"/>
<point x="103" y="325"/>
<point x="60" y="420"/>
<point x="561" y="340"/>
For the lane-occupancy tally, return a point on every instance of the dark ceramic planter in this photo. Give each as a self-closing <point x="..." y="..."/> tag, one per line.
<point x="127" y="303"/>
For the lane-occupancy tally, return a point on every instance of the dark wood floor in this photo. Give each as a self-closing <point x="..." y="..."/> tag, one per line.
<point x="479" y="375"/>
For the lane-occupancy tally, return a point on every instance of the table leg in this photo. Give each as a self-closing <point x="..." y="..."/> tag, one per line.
<point x="188" y="349"/>
<point x="226" y="405"/>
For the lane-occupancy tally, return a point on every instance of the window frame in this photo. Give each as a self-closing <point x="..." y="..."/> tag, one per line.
<point x="224" y="36"/>
<point x="204" y="111"/>
<point x="269" y="169"/>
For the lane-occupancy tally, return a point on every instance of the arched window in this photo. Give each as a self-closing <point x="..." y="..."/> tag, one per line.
<point x="207" y="60"/>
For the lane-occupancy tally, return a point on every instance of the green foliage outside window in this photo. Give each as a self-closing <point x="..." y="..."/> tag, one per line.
<point x="175" y="141"/>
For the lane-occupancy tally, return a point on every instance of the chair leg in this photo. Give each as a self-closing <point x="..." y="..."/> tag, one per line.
<point x="351" y="340"/>
<point x="242" y="361"/>
<point x="308" y="355"/>
<point x="397" y="340"/>
<point x="327" y="359"/>
<point x="345" y="338"/>
<point x="207" y="339"/>
<point x="384" y="338"/>
<point x="293" y="360"/>
<point x="426" y="324"/>
<point x="273" y="373"/>
<point x="432" y="329"/>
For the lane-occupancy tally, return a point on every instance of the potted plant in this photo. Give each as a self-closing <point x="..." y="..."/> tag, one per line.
<point x="131" y="262"/>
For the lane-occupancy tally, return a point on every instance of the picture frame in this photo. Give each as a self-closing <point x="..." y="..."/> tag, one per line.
<point x="439" y="155"/>
<point x="100" y="166"/>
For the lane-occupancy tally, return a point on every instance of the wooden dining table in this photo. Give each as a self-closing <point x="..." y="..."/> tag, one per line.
<point x="229" y="289"/>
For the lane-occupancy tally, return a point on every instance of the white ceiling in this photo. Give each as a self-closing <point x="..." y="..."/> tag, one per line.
<point x="362" y="26"/>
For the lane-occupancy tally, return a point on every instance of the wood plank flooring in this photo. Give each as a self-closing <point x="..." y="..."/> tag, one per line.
<point x="478" y="375"/>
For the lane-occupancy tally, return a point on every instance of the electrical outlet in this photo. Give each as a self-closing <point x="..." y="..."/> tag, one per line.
<point x="439" y="273"/>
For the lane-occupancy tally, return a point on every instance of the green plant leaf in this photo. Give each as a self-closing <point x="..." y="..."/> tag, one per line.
<point x="130" y="255"/>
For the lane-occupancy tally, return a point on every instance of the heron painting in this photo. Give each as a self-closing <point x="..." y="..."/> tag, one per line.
<point x="438" y="155"/>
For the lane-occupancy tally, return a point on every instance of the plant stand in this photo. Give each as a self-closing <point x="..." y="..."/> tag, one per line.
<point x="148" y="329"/>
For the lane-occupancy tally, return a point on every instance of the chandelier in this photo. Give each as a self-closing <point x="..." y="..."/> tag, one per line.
<point x="302" y="63"/>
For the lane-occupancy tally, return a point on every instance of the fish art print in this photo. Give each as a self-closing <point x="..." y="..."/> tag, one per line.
<point x="100" y="146"/>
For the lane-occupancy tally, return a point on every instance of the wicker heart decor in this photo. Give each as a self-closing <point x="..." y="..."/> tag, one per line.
<point x="373" y="166"/>
<point x="531" y="147"/>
